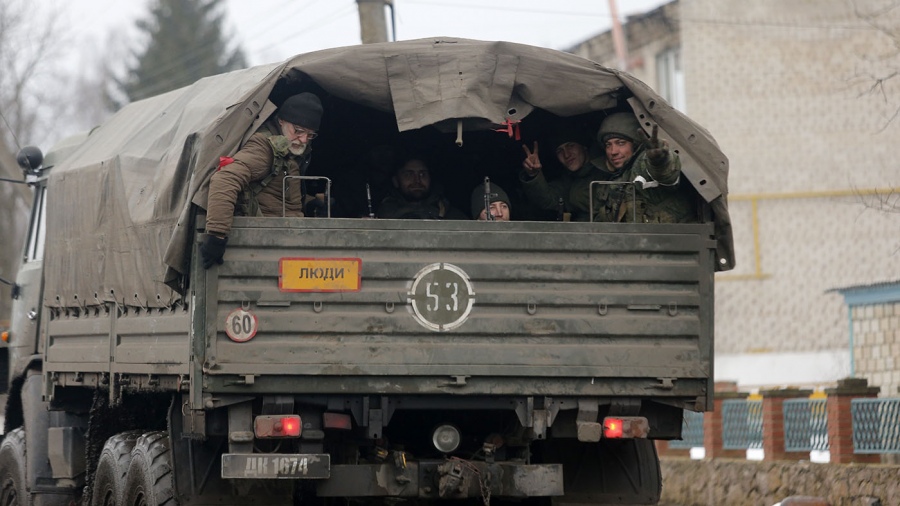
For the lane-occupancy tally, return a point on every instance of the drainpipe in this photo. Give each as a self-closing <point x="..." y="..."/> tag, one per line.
<point x="372" y="25"/>
<point x="850" y="325"/>
<point x="618" y="36"/>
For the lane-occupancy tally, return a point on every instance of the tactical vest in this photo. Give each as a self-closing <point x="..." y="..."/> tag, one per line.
<point x="249" y="197"/>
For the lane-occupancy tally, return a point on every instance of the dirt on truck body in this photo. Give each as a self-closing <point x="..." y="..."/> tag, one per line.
<point x="345" y="357"/>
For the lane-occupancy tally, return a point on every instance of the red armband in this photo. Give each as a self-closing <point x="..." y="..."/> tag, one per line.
<point x="223" y="161"/>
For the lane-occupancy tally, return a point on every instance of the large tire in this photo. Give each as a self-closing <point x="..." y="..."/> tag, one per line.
<point x="12" y="470"/>
<point x="618" y="471"/>
<point x="112" y="468"/>
<point x="150" y="481"/>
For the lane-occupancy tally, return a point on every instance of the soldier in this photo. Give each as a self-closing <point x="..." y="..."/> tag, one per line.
<point x="414" y="196"/>
<point x="256" y="173"/>
<point x="648" y="162"/>
<point x="499" y="203"/>
<point x="573" y="187"/>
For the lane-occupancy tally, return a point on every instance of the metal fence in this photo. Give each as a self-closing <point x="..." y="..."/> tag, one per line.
<point x="691" y="432"/>
<point x="876" y="425"/>
<point x="805" y="425"/>
<point x="742" y="424"/>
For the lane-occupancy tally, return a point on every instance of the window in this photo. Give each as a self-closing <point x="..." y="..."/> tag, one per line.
<point x="671" y="77"/>
<point x="36" y="235"/>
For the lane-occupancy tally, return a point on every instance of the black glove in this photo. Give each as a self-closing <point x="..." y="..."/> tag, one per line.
<point x="212" y="250"/>
<point x="657" y="150"/>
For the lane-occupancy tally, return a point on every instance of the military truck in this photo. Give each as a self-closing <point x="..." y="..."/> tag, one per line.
<point x="345" y="358"/>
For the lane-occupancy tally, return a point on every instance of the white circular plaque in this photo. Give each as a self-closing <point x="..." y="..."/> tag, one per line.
<point x="241" y="325"/>
<point x="441" y="297"/>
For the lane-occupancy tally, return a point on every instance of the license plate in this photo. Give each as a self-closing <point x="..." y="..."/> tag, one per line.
<point x="319" y="274"/>
<point x="310" y="466"/>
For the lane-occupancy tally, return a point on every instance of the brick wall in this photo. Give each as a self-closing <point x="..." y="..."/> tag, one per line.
<point x="876" y="335"/>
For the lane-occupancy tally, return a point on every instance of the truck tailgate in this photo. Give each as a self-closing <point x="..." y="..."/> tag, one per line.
<point x="552" y="308"/>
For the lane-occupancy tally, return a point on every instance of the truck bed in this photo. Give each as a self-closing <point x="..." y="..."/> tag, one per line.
<point x="559" y="309"/>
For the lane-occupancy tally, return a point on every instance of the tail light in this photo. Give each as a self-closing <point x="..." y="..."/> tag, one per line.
<point x="336" y="421"/>
<point x="276" y="426"/>
<point x="616" y="427"/>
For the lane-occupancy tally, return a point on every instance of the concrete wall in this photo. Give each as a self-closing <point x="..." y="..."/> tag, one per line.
<point x="781" y="85"/>
<point x="775" y="82"/>
<point x="717" y="482"/>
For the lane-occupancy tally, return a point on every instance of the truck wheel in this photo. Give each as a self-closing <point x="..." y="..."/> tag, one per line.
<point x="623" y="471"/>
<point x="12" y="470"/>
<point x="109" y="480"/>
<point x="149" y="481"/>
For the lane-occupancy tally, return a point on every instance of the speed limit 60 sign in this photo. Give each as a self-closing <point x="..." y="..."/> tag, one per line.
<point x="241" y="325"/>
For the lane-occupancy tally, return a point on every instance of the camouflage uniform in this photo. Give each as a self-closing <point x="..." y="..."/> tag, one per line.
<point x="661" y="194"/>
<point x="572" y="187"/>
<point x="433" y="207"/>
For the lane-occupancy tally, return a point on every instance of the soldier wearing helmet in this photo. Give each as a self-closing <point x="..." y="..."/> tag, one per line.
<point x="633" y="157"/>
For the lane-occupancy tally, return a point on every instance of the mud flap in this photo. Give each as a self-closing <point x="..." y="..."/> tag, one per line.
<point x="622" y="471"/>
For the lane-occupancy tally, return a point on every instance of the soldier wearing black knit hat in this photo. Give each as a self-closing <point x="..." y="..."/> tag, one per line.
<point x="252" y="181"/>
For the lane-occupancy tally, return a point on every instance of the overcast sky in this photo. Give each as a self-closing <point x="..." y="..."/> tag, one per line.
<point x="273" y="30"/>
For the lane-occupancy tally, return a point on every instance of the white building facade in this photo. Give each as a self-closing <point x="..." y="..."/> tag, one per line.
<point x="814" y="164"/>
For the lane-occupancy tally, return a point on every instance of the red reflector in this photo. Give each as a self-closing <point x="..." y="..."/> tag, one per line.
<point x="612" y="428"/>
<point x="625" y="427"/>
<point x="336" y="421"/>
<point x="274" y="426"/>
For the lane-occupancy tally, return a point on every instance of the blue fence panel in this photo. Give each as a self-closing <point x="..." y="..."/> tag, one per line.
<point x="741" y="424"/>
<point x="876" y="425"/>
<point x="805" y="425"/>
<point x="691" y="432"/>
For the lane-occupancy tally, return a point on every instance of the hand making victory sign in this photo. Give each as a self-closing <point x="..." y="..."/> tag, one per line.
<point x="532" y="162"/>
<point x="657" y="150"/>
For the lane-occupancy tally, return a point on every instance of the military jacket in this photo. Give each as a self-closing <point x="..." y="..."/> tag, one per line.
<point x="663" y="196"/>
<point x="572" y="187"/>
<point x="260" y="167"/>
<point x="434" y="207"/>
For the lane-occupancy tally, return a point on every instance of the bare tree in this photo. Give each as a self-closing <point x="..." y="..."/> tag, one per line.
<point x="94" y="84"/>
<point x="878" y="72"/>
<point x="887" y="200"/>
<point x="878" y="76"/>
<point x="30" y="38"/>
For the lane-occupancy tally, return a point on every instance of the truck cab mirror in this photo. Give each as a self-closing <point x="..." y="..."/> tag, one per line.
<point x="30" y="159"/>
<point x="16" y="289"/>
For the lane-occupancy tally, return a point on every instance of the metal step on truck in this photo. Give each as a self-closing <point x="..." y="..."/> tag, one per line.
<point x="339" y="358"/>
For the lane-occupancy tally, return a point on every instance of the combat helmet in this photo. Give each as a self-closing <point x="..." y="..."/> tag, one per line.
<point x="620" y="124"/>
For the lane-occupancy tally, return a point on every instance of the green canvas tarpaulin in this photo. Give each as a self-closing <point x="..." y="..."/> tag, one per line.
<point x="120" y="207"/>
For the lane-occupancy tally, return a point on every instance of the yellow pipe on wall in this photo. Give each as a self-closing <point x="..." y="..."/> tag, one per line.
<point x="754" y="199"/>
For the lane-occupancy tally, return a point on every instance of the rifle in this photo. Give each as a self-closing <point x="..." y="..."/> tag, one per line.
<point x="487" y="199"/>
<point x="369" y="201"/>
